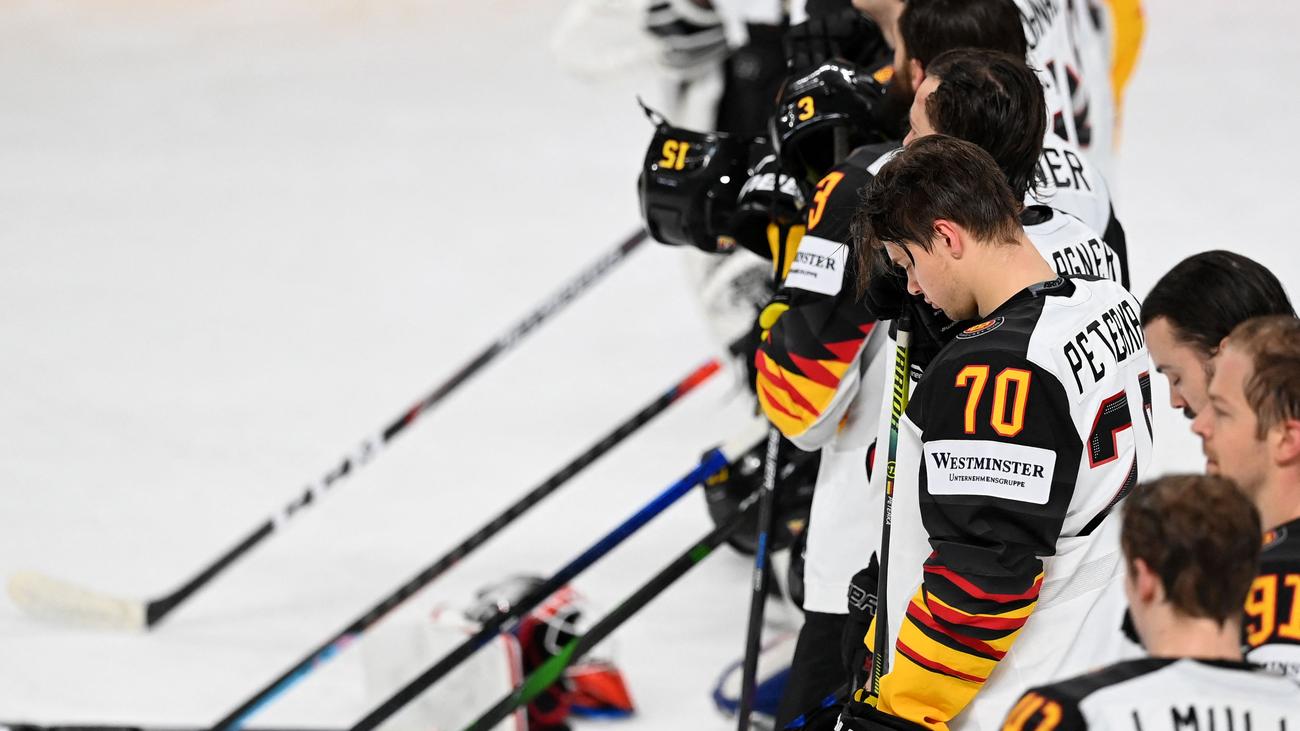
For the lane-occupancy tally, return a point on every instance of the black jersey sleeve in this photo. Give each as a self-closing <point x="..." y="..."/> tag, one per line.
<point x="1000" y="459"/>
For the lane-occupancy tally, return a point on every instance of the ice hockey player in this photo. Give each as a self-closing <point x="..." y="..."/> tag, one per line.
<point x="1250" y="432"/>
<point x="1068" y="180"/>
<point x="1022" y="436"/>
<point x="962" y="97"/>
<point x="819" y="379"/>
<point x="1054" y="39"/>
<point x="1191" y="546"/>
<point x="1193" y="307"/>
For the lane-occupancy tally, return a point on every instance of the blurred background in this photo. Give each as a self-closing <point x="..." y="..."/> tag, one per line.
<point x="236" y="238"/>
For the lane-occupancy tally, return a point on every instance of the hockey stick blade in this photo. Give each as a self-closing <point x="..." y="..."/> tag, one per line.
<point x="53" y="599"/>
<point x="47" y="598"/>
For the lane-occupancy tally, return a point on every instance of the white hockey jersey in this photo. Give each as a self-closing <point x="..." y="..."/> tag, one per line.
<point x="1163" y="694"/>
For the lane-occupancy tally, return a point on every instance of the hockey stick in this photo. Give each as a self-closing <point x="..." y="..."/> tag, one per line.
<point x="551" y="670"/>
<point x="712" y="463"/>
<point x="898" y="404"/>
<point x="340" y="640"/>
<point x="17" y="726"/>
<point x="762" y="548"/>
<point x="758" y="597"/>
<point x="50" y="598"/>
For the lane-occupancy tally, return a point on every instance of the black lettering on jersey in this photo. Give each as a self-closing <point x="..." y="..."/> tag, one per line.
<point x="1064" y="169"/>
<point x="1090" y="257"/>
<point x="814" y="260"/>
<point x="1118" y="330"/>
<point x="1041" y="15"/>
<point x="945" y="460"/>
<point x="1187" y="721"/>
<point x="1210" y="718"/>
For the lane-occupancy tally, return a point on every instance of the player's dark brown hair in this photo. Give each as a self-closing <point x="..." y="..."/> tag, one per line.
<point x="935" y="177"/>
<point x="1201" y="536"/>
<point x="1273" y="346"/>
<point x="930" y="27"/>
<point x="995" y="100"/>
<point x="1206" y="295"/>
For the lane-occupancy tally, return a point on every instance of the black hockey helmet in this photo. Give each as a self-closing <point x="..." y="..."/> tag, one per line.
<point x="689" y="184"/>
<point x="725" y="491"/>
<point x="825" y="114"/>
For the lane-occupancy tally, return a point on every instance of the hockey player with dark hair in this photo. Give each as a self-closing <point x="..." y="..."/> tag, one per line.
<point x="1250" y="432"/>
<point x="924" y="29"/>
<point x="1074" y="73"/>
<point x="1193" y="307"/>
<point x="1024" y="433"/>
<point x="1191" y="546"/>
<point x="819" y="377"/>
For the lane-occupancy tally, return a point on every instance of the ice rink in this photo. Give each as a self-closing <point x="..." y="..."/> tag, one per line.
<point x="236" y="238"/>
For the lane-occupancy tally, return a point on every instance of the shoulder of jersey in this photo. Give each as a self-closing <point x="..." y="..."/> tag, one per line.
<point x="1009" y="329"/>
<point x="1282" y="546"/>
<point x="1057" y="225"/>
<point x="1074" y="690"/>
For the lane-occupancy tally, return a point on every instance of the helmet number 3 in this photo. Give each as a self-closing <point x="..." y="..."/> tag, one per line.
<point x="806" y="109"/>
<point x="675" y="154"/>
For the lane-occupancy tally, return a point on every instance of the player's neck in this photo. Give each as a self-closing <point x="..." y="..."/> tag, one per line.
<point x="1004" y="270"/>
<point x="1282" y="503"/>
<point x="1181" y="636"/>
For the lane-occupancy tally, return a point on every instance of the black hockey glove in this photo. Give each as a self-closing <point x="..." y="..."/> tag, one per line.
<point x="769" y="196"/>
<point x="885" y="292"/>
<point x="856" y="716"/>
<point x="839" y="33"/>
<point x="931" y="330"/>
<point x="690" y="34"/>
<point x="862" y="609"/>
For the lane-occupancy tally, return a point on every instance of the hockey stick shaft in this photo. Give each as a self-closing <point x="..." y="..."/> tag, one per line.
<point x="145" y="615"/>
<point x="712" y="463"/>
<point x="758" y="597"/>
<point x="762" y="552"/>
<point x="236" y="718"/>
<point x="898" y="404"/>
<point x="551" y="670"/>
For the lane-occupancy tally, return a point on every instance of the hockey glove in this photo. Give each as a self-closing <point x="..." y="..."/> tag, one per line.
<point x="859" y="716"/>
<point x="690" y="34"/>
<point x="840" y="33"/>
<point x="769" y="196"/>
<point x="931" y="330"/>
<point x="862" y="609"/>
<point x="885" y="289"/>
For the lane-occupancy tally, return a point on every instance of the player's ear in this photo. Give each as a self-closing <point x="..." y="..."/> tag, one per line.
<point x="948" y="235"/>
<point x="1146" y="583"/>
<point x="916" y="71"/>
<point x="1285" y="439"/>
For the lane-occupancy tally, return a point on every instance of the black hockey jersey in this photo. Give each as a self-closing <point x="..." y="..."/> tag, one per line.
<point x="1273" y="605"/>
<point x="1163" y="694"/>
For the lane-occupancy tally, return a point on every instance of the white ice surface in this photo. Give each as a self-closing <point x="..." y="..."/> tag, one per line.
<point x="237" y="237"/>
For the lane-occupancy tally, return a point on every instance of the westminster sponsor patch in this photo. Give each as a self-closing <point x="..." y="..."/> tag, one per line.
<point x="983" y="328"/>
<point x="994" y="469"/>
<point x="818" y="266"/>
